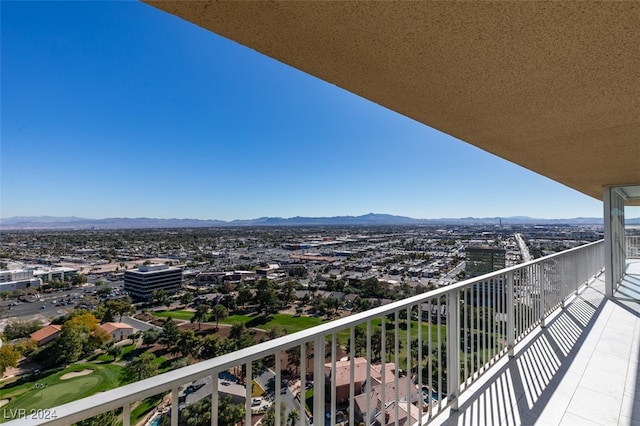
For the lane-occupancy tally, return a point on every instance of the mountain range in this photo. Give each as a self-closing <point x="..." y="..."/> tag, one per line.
<point x="372" y="219"/>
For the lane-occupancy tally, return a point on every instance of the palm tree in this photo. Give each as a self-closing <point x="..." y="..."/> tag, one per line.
<point x="293" y="417"/>
<point x="219" y="312"/>
<point x="201" y="314"/>
<point x="293" y="355"/>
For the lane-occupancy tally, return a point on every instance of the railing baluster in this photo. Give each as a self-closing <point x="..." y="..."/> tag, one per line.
<point x="511" y="311"/>
<point x="174" y="406"/>
<point x="397" y="362"/>
<point x="334" y="348"/>
<point x="439" y="354"/>
<point x="409" y="354"/>
<point x="214" y="399"/>
<point x="303" y="383"/>
<point x="126" y="414"/>
<point x="352" y="354"/>
<point x="318" y="379"/>
<point x="248" y="392"/>
<point x="383" y="361"/>
<point x="418" y="365"/>
<point x="278" y="378"/>
<point x="453" y="351"/>
<point x="368" y="370"/>
<point x="430" y="358"/>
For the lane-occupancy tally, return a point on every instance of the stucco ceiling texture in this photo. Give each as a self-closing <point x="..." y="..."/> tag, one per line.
<point x="551" y="86"/>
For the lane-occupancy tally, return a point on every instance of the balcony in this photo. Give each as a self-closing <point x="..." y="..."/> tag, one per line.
<point x="534" y="343"/>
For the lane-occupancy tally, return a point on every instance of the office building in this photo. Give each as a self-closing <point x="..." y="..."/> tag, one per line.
<point x="483" y="260"/>
<point x="141" y="283"/>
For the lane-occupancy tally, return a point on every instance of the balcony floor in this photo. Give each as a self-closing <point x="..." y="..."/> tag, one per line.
<point x="582" y="369"/>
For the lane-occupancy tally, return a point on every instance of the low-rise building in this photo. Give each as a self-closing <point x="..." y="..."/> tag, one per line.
<point x="117" y="330"/>
<point x="18" y="279"/>
<point x="46" y="334"/>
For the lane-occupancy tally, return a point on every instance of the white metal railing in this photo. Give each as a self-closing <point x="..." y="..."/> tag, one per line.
<point x="437" y="344"/>
<point x="633" y="246"/>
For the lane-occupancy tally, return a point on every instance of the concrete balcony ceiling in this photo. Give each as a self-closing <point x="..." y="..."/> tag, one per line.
<point x="551" y="86"/>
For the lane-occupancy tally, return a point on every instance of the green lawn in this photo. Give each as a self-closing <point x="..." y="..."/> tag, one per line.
<point x="290" y="323"/>
<point x="48" y="390"/>
<point x="144" y="408"/>
<point x="177" y="314"/>
<point x="125" y="355"/>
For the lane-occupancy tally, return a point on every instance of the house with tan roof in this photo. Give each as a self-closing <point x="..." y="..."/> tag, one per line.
<point x="46" y="334"/>
<point x="360" y="368"/>
<point x="117" y="330"/>
<point x="373" y="400"/>
<point x="408" y="414"/>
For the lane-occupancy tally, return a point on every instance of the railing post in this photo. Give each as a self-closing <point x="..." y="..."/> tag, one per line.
<point x="318" y="381"/>
<point x="453" y="348"/>
<point x="543" y="297"/>
<point x="511" y="314"/>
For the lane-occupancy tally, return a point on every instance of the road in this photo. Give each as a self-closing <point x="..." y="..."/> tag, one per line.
<point x="524" y="250"/>
<point x="451" y="276"/>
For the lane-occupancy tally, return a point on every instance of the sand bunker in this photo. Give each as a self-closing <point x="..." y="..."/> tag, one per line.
<point x="4" y="402"/>
<point x="76" y="374"/>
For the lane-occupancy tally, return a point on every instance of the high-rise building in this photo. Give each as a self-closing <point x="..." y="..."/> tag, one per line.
<point x="142" y="282"/>
<point x="483" y="260"/>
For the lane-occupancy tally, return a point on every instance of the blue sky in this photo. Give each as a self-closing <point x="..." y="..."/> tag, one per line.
<point x="116" y="109"/>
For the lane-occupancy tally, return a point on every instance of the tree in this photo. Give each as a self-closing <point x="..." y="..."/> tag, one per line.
<point x="105" y="419"/>
<point x="150" y="336"/>
<point x="288" y="292"/>
<point x="360" y="342"/>
<point x="187" y="298"/>
<point x="229" y="302"/>
<point x="199" y="413"/>
<point x="85" y="322"/>
<point x="120" y="307"/>
<point x="169" y="332"/>
<point x="275" y="332"/>
<point x="293" y="417"/>
<point x="160" y="297"/>
<point x="333" y="304"/>
<point x="141" y="367"/>
<point x="201" y="314"/>
<point x="188" y="343"/>
<point x="293" y="357"/>
<point x="20" y="329"/>
<point x="67" y="348"/>
<point x="114" y="351"/>
<point x="219" y="312"/>
<point x="267" y="297"/>
<point x="269" y="418"/>
<point x="9" y="357"/>
<point x="211" y="346"/>
<point x="79" y="279"/>
<point x="239" y="337"/>
<point x="244" y="296"/>
<point x="95" y="340"/>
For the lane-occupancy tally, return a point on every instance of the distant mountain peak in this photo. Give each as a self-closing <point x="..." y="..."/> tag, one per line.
<point x="371" y="219"/>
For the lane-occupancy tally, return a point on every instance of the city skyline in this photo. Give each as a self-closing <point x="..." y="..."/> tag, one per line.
<point x="116" y="109"/>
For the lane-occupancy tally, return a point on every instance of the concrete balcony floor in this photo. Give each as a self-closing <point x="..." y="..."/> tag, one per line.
<point x="582" y="369"/>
